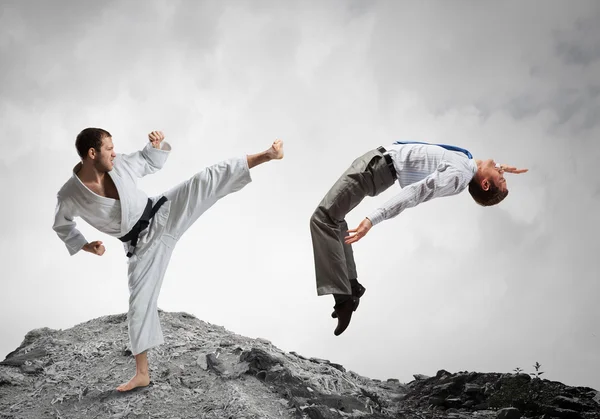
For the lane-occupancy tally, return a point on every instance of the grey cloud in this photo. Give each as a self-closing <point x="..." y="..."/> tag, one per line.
<point x="568" y="102"/>
<point x="39" y="38"/>
<point x="521" y="74"/>
<point x="580" y="45"/>
<point x="86" y="51"/>
<point x="523" y="106"/>
<point x="358" y="8"/>
<point x="580" y="105"/>
<point x="576" y="54"/>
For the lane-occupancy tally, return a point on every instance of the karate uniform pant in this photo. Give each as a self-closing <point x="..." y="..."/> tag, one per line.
<point x="146" y="269"/>
<point x="368" y="175"/>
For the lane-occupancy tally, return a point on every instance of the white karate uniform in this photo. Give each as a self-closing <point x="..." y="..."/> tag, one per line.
<point x="146" y="268"/>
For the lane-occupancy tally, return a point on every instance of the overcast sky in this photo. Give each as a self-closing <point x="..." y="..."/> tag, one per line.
<point x="450" y="285"/>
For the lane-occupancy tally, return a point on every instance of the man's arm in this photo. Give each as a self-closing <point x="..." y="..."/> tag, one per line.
<point x="65" y="227"/>
<point x="437" y="184"/>
<point x="151" y="158"/>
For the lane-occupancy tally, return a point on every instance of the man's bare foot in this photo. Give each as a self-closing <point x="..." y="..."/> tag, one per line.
<point x="273" y="153"/>
<point x="140" y="380"/>
<point x="276" y="150"/>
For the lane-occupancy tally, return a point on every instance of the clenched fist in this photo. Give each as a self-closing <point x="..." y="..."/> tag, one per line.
<point x="96" y="248"/>
<point x="155" y="138"/>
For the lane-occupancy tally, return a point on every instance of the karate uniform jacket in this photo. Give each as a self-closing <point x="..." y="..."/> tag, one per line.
<point x="113" y="217"/>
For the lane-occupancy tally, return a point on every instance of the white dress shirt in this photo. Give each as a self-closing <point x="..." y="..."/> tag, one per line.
<point x="425" y="171"/>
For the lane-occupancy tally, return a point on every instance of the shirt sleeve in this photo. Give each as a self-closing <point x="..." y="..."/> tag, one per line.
<point x="445" y="181"/>
<point x="148" y="160"/>
<point x="65" y="227"/>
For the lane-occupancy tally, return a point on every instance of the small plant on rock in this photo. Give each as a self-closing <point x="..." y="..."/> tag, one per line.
<point x="537" y="372"/>
<point x="518" y="370"/>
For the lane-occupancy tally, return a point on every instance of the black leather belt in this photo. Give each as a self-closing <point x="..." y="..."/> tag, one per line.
<point x="142" y="224"/>
<point x="388" y="160"/>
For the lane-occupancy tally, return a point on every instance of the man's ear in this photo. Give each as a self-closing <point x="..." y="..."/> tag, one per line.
<point x="485" y="184"/>
<point x="92" y="153"/>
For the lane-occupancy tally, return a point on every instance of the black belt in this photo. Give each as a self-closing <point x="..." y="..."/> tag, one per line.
<point x="388" y="160"/>
<point x="142" y="224"/>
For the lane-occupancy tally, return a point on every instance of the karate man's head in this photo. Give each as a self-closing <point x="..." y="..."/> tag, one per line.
<point x="95" y="146"/>
<point x="488" y="186"/>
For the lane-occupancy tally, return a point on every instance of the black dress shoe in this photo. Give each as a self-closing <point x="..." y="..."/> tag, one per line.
<point x="356" y="292"/>
<point x="344" y="314"/>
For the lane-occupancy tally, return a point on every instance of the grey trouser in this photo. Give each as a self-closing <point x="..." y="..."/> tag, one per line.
<point x="368" y="175"/>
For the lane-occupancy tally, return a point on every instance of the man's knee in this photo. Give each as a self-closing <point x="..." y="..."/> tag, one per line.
<point x="321" y="217"/>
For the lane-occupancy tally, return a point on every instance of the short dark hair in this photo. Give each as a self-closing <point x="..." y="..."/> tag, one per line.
<point x="487" y="198"/>
<point x="90" y="138"/>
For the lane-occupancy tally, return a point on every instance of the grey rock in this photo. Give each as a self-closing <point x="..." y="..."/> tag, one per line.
<point x="34" y="368"/>
<point x="259" y="360"/>
<point x="201" y="361"/>
<point x="299" y="356"/>
<point x="11" y="378"/>
<point x="215" y="365"/>
<point x="443" y="388"/>
<point x="562" y="413"/>
<point x="436" y="401"/>
<point x="481" y="406"/>
<point x="508" y="413"/>
<point x="16" y="359"/>
<point x="469" y="403"/>
<point x="442" y="373"/>
<point x="568" y="403"/>
<point x="472" y="388"/>
<point x="453" y="402"/>
<point x="339" y="367"/>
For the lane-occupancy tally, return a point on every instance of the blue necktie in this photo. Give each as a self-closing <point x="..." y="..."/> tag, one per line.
<point x="446" y="146"/>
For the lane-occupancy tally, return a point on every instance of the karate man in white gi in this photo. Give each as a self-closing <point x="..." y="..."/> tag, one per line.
<point x="103" y="192"/>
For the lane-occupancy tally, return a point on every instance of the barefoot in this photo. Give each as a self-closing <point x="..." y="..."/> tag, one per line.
<point x="140" y="380"/>
<point x="276" y="150"/>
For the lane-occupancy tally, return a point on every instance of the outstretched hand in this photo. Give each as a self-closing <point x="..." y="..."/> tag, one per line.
<point x="156" y="138"/>
<point x="95" y="247"/>
<point x="511" y="169"/>
<point x="358" y="233"/>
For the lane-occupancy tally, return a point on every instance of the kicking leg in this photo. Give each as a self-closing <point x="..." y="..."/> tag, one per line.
<point x="187" y="202"/>
<point x="190" y="199"/>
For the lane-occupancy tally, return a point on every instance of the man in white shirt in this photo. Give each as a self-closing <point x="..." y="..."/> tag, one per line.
<point x="424" y="171"/>
<point x="102" y="190"/>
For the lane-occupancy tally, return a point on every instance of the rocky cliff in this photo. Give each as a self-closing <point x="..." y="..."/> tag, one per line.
<point x="205" y="371"/>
